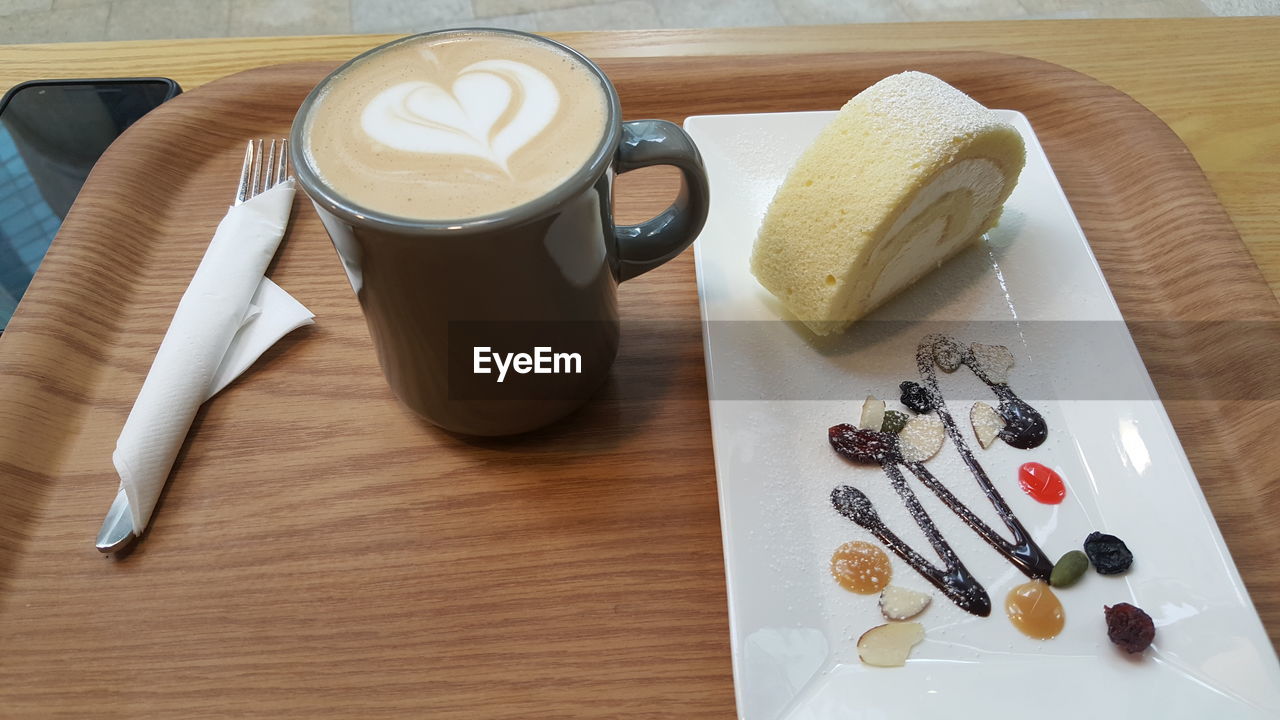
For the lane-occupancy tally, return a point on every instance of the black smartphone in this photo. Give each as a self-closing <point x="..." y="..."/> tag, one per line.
<point x="51" y="134"/>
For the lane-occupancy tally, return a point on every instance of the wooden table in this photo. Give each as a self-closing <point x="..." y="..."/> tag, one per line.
<point x="1216" y="82"/>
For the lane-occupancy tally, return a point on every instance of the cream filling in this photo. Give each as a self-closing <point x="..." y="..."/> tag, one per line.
<point x="942" y="216"/>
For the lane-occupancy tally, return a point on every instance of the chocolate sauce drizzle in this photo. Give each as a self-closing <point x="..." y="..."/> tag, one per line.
<point x="1025" y="428"/>
<point x="954" y="580"/>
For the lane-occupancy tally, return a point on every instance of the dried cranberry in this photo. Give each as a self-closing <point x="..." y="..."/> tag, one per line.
<point x="1129" y="627"/>
<point x="869" y="447"/>
<point x="1108" y="553"/>
<point x="915" y="397"/>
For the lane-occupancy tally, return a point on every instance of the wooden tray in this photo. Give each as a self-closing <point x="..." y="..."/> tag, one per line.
<point x="322" y="553"/>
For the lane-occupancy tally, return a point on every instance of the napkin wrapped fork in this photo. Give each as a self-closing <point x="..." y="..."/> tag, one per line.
<point x="229" y="315"/>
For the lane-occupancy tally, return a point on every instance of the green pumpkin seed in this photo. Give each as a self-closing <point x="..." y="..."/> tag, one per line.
<point x="893" y="422"/>
<point x="1069" y="569"/>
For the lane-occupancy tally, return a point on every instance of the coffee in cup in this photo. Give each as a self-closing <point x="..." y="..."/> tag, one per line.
<point x="456" y="126"/>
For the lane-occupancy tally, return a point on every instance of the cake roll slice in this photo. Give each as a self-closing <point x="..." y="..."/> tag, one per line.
<point x="909" y="173"/>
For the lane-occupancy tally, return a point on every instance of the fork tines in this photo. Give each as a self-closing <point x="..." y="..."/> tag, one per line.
<point x="265" y="166"/>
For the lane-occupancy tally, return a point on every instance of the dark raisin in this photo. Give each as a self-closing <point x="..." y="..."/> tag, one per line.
<point x="1108" y="553"/>
<point x="1129" y="627"/>
<point x="915" y="397"/>
<point x="869" y="447"/>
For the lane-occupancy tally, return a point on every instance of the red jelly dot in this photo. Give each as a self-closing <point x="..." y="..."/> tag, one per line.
<point x="1041" y="483"/>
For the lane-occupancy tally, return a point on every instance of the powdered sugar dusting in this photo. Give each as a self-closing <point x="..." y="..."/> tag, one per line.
<point x="936" y="115"/>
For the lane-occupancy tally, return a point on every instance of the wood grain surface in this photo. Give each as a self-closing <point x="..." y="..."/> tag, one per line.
<point x="1215" y="81"/>
<point x="321" y="553"/>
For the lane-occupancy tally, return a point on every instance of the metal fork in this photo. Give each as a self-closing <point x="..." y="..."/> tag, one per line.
<point x="259" y="174"/>
<point x="265" y="166"/>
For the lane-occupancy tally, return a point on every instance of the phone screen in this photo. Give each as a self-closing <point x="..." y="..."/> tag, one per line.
<point x="51" y="134"/>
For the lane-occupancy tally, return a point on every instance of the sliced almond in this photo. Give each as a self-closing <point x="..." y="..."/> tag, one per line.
<point x="921" y="438"/>
<point x="872" y="414"/>
<point x="986" y="422"/>
<point x="889" y="645"/>
<point x="899" y="603"/>
<point x="994" y="361"/>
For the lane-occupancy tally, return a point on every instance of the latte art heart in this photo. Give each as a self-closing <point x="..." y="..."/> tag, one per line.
<point x="456" y="125"/>
<point x="472" y="117"/>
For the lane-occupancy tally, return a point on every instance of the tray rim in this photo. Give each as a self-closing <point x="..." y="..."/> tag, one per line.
<point x="18" y="372"/>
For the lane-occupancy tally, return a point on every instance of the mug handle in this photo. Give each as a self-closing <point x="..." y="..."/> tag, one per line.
<point x="645" y="246"/>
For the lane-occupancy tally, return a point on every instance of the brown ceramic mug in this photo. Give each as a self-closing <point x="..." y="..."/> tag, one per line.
<point x="503" y="323"/>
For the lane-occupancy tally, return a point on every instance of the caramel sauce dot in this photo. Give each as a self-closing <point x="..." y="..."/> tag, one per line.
<point x="861" y="567"/>
<point x="1034" y="610"/>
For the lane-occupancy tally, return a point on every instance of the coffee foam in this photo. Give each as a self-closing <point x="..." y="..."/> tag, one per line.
<point x="455" y="126"/>
<point x="422" y="117"/>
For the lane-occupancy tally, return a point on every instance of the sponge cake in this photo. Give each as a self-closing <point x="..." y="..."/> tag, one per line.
<point x="910" y="172"/>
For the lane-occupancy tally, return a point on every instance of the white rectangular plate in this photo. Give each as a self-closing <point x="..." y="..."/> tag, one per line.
<point x="1034" y="286"/>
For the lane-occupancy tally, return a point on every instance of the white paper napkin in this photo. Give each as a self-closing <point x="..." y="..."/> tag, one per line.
<point x="229" y="315"/>
<point x="273" y="313"/>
